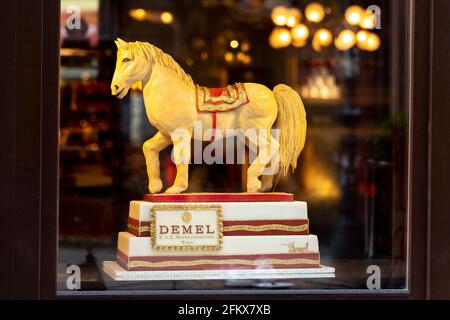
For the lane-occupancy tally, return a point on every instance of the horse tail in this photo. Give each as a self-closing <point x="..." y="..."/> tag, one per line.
<point x="291" y="121"/>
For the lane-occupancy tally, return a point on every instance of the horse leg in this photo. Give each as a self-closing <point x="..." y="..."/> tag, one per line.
<point x="270" y="172"/>
<point x="266" y="182"/>
<point x="151" y="149"/>
<point x="181" y="156"/>
<point x="268" y="147"/>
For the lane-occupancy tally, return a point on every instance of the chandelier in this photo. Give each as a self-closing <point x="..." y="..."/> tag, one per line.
<point x="292" y="28"/>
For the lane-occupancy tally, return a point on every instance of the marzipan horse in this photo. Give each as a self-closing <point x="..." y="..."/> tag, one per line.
<point x="170" y="102"/>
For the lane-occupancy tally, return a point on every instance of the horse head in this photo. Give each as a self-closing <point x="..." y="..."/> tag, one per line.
<point x="130" y="68"/>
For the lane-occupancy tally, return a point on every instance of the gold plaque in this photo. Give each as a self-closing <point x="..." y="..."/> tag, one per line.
<point x="186" y="227"/>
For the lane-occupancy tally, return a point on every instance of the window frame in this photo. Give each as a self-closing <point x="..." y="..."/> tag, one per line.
<point x="29" y="127"/>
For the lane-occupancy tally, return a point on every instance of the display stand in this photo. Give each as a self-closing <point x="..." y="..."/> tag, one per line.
<point x="217" y="236"/>
<point x="118" y="273"/>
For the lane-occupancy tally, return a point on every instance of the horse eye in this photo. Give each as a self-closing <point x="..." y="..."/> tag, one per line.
<point x="125" y="60"/>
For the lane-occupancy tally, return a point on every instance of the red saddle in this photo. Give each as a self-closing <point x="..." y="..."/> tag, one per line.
<point x="215" y="100"/>
<point x="224" y="99"/>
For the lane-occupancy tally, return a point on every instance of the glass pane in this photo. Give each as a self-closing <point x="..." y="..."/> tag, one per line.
<point x="344" y="62"/>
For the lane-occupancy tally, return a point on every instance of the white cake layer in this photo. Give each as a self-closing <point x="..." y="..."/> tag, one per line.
<point x="134" y="246"/>
<point x="235" y="211"/>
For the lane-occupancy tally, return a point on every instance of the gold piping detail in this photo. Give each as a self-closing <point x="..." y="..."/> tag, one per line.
<point x="138" y="229"/>
<point x="266" y="227"/>
<point x="177" y="263"/>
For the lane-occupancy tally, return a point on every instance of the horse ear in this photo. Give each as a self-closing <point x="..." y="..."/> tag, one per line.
<point x="121" y="44"/>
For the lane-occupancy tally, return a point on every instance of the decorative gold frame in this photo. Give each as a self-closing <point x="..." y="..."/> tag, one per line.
<point x="228" y="102"/>
<point x="187" y="207"/>
<point x="139" y="228"/>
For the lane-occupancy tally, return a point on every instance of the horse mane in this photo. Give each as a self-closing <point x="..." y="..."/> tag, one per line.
<point x="158" y="56"/>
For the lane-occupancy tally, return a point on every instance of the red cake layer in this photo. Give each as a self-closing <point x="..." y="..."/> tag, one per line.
<point x="220" y="197"/>
<point x="231" y="262"/>
<point x="239" y="228"/>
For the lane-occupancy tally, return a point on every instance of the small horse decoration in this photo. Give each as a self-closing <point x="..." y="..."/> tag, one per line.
<point x="172" y="102"/>
<point x="293" y="249"/>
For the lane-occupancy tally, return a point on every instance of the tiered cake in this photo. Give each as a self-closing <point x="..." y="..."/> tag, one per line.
<point x="211" y="236"/>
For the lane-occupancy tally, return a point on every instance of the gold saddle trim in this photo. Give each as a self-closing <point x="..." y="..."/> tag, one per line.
<point x="231" y="97"/>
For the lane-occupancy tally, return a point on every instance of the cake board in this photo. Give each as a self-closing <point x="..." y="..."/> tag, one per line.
<point x="117" y="273"/>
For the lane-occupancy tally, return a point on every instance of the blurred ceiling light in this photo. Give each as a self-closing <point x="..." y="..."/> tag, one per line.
<point x="273" y="39"/>
<point x="245" y="46"/>
<point x="368" y="21"/>
<point x="190" y="62"/>
<point x="362" y="35"/>
<point x="345" y="40"/>
<point x="138" y="14"/>
<point x="354" y="14"/>
<point x="316" y="44"/>
<point x="289" y="30"/>
<point x="290" y="22"/>
<point x="204" y="55"/>
<point x="280" y="38"/>
<point x="324" y="36"/>
<point x="229" y="57"/>
<point x="284" y="37"/>
<point x="247" y="59"/>
<point x="279" y="15"/>
<point x="166" y="17"/>
<point x="315" y="12"/>
<point x="299" y="43"/>
<point x="300" y="32"/>
<point x="373" y="42"/>
<point x="293" y="17"/>
<point x="368" y="41"/>
<point x="240" y="56"/>
<point x="361" y="38"/>
<point x="234" y="44"/>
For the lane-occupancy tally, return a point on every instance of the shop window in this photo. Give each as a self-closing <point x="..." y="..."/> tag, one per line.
<point x="346" y="67"/>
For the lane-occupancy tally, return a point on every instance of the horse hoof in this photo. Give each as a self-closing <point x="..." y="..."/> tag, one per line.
<point x="175" y="190"/>
<point x="266" y="183"/>
<point x="254" y="187"/>
<point x="266" y="188"/>
<point x="155" y="186"/>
